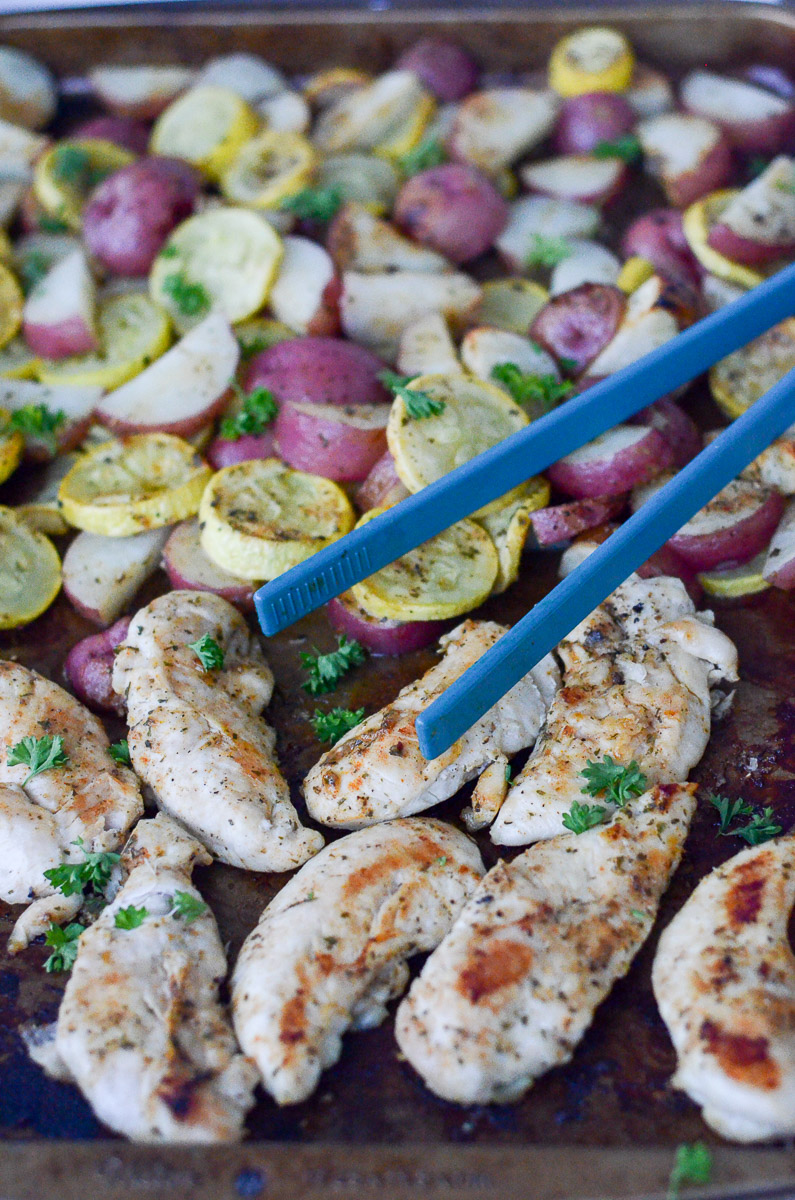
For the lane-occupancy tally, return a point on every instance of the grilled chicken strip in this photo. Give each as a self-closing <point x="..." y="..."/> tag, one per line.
<point x="637" y="678"/>
<point x="724" y="978"/>
<point x="377" y="772"/>
<point x="196" y="736"/>
<point x="513" y="987"/>
<point x="140" y="1028"/>
<point x="90" y="797"/>
<point x="330" y="950"/>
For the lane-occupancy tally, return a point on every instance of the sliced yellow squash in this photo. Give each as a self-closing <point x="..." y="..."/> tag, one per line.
<point x="738" y="380"/>
<point x="30" y="578"/>
<point x="449" y="575"/>
<point x="475" y="416"/>
<point x="260" y="518"/>
<point x="324" y="87"/>
<point x="135" y="483"/>
<point x="11" y="304"/>
<point x="260" y="333"/>
<point x="409" y="133"/>
<point x="511" y="304"/>
<point x="268" y="169"/>
<point x="592" y="59"/>
<point x="697" y="221"/>
<point x="17" y="361"/>
<point x="734" y="582"/>
<point x="635" y="271"/>
<point x="207" y="126"/>
<point x="12" y="445"/>
<point x="133" y="332"/>
<point x="225" y="258"/>
<point x="507" y="527"/>
<point x="69" y="170"/>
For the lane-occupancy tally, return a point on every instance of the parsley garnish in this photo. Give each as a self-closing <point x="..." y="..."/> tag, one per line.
<point x="568" y="364"/>
<point x="547" y="251"/>
<point x="761" y="828"/>
<point x="251" y="346"/>
<point x="428" y="153"/>
<point x="72" y="879"/>
<point x="314" y="204"/>
<point x="32" y="269"/>
<point x="72" y="165"/>
<point x="756" y="165"/>
<point x="508" y="772"/>
<point x="627" y="148"/>
<point x="49" y="224"/>
<point x="120" y="753"/>
<point x="693" y="1164"/>
<point x="169" y="251"/>
<point x="331" y="726"/>
<point x="259" y="409"/>
<point x="187" y="906"/>
<point x="618" y="784"/>
<point x="130" y="917"/>
<point x="190" y="298"/>
<point x="419" y="405"/>
<point x="638" y="915"/>
<point x="729" y="810"/>
<point x="544" y="390"/>
<point x="582" y="817"/>
<point x="64" y="943"/>
<point x="326" y="670"/>
<point x="40" y="754"/>
<point x="208" y="652"/>
<point x="786" y="185"/>
<point x="39" y="422"/>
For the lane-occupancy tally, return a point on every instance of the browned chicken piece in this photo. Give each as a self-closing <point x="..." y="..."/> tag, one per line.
<point x="90" y="797"/>
<point x="724" y="978"/>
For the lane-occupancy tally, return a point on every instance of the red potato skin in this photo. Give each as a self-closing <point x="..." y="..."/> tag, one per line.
<point x="579" y="324"/>
<point x="319" y="443"/>
<point x="734" y="545"/>
<point x="784" y="577"/>
<point x="62" y="340"/>
<point x="453" y="209"/>
<point x="89" y="666"/>
<point x="377" y="634"/>
<point x="589" y="119"/>
<point x="447" y="70"/>
<point x="122" y="131"/>
<point x="713" y="172"/>
<point x="615" y="475"/>
<point x="772" y="79"/>
<point x="131" y="213"/>
<point x="679" y="430"/>
<point x="226" y="452"/>
<point x="666" y="561"/>
<point x="659" y="237"/>
<point x="744" y="250"/>
<point x="188" y="567"/>
<point x="183" y="429"/>
<point x="561" y="522"/>
<point x="327" y="322"/>
<point x="382" y="487"/>
<point x="319" y="370"/>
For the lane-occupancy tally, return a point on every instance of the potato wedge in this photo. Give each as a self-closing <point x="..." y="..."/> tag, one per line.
<point x="476" y="416"/>
<point x="133" y="332"/>
<point x="142" y="482"/>
<point x="511" y="304"/>
<point x="388" y="115"/>
<point x="224" y="258"/>
<point x="207" y="126"/>
<point x="31" y="575"/>
<point x="449" y="575"/>
<point x="739" y="380"/>
<point x="361" y="179"/>
<point x="259" y="518"/>
<point x="697" y="222"/>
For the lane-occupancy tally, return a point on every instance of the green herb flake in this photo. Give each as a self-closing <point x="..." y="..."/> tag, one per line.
<point x="761" y="828"/>
<point x="192" y="299"/>
<point x="259" y="410"/>
<point x="547" y="251"/>
<point x="326" y="670"/>
<point x="692" y="1164"/>
<point x="442" y="860"/>
<point x="64" y="944"/>
<point x="428" y="153"/>
<point x="627" y="148"/>
<point x="528" y="390"/>
<point x="508" y="772"/>
<point x="616" y="783"/>
<point x="419" y="405"/>
<point x="120" y="753"/>
<point x="729" y="810"/>
<point x="252" y="344"/>
<point x="39" y="423"/>
<point x="32" y="268"/>
<point x="130" y="917"/>
<point x="40" y="754"/>
<point x="331" y="726"/>
<point x="582" y="817"/>
<point x="50" y="224"/>
<point x="187" y="907"/>
<point x="208" y="652"/>
<point x="568" y="364"/>
<point x="638" y="914"/>
<point x="314" y="204"/>
<point x="93" y="872"/>
<point x="72" y="165"/>
<point x="169" y="251"/>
